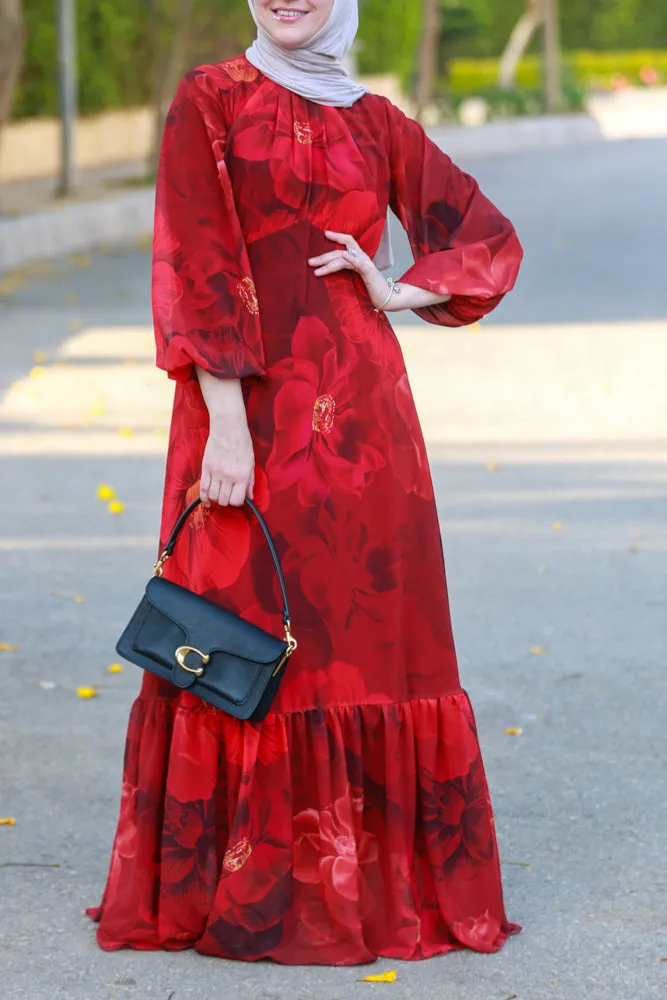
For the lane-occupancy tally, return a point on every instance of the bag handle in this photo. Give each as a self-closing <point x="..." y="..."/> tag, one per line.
<point x="171" y="543"/>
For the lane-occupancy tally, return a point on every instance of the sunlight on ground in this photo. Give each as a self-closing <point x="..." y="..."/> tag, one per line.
<point x="523" y="388"/>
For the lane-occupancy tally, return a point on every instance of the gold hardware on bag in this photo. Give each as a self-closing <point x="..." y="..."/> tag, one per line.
<point x="183" y="651"/>
<point x="291" y="646"/>
<point x="157" y="569"/>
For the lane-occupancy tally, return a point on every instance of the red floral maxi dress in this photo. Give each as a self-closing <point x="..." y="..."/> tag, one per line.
<point x="355" y="821"/>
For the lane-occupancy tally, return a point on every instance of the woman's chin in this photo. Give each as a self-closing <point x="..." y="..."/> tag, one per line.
<point x="287" y="37"/>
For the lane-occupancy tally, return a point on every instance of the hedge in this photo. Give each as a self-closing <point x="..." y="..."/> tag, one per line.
<point x="587" y="70"/>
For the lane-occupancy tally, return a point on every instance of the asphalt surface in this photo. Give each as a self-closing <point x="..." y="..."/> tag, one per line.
<point x="547" y="431"/>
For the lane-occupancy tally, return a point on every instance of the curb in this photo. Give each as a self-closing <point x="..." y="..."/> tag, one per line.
<point x="73" y="228"/>
<point x="519" y="134"/>
<point x="124" y="217"/>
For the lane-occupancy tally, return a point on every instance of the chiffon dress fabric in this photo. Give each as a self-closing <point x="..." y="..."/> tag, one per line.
<point x="355" y="821"/>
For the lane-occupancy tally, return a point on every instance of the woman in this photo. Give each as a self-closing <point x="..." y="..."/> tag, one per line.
<point x="355" y="822"/>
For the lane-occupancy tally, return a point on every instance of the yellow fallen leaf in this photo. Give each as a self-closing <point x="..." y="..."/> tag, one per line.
<point x="86" y="692"/>
<point x="74" y="324"/>
<point x="160" y="432"/>
<point x="475" y="327"/>
<point x="105" y="492"/>
<point x="115" y="507"/>
<point x="37" y="372"/>
<point x="513" y="731"/>
<point x="39" y="357"/>
<point x="78" y="598"/>
<point x="557" y="526"/>
<point x="126" y="432"/>
<point x="7" y="821"/>
<point x="6" y="647"/>
<point x="492" y="466"/>
<point x="383" y="977"/>
<point x="98" y="410"/>
<point x="115" y="668"/>
<point x="81" y="260"/>
<point x="71" y="298"/>
<point x="634" y="547"/>
<point x="537" y="650"/>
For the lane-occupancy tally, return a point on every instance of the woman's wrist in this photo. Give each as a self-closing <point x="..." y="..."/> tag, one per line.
<point x="223" y="398"/>
<point x="392" y="289"/>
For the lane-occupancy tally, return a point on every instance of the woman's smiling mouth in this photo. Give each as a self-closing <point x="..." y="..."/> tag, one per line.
<point x="288" y="14"/>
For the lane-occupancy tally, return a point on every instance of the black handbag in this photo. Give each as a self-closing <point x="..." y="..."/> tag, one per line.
<point x="199" y="646"/>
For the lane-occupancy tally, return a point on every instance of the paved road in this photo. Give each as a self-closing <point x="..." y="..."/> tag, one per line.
<point x="547" y="432"/>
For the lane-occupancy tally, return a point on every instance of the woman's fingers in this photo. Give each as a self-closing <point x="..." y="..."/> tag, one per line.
<point x="238" y="494"/>
<point x="325" y="258"/>
<point x="344" y="238"/>
<point x="214" y="491"/>
<point x="204" y="486"/>
<point x="225" y="493"/>
<point x="337" y="265"/>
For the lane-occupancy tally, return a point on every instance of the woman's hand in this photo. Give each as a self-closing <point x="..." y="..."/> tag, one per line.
<point x="228" y="468"/>
<point x="352" y="258"/>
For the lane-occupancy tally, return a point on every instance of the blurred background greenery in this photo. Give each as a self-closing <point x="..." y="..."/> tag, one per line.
<point x="123" y="46"/>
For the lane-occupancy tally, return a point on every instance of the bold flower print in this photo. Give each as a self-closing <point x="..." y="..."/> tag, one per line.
<point x="248" y="295"/>
<point x="301" y="456"/>
<point x="188" y="850"/>
<point x="237" y="855"/>
<point x="245" y="743"/>
<point x="480" y="933"/>
<point x="303" y="133"/>
<point x="324" y="412"/>
<point x="240" y="70"/>
<point x="371" y="331"/>
<point x="296" y="165"/>
<point x="456" y="822"/>
<point x="344" y="558"/>
<point x="215" y="542"/>
<point x="354" y="821"/>
<point x="342" y="683"/>
<point x="167" y="291"/>
<point x="330" y="850"/>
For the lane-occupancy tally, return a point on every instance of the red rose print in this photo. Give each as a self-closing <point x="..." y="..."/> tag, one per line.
<point x="167" y="290"/>
<point x="304" y="453"/>
<point x="481" y="933"/>
<point x="330" y="850"/>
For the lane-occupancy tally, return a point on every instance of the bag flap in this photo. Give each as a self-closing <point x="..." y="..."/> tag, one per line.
<point x="211" y="628"/>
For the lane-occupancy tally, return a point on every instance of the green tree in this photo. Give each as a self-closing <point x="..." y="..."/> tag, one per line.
<point x="389" y="34"/>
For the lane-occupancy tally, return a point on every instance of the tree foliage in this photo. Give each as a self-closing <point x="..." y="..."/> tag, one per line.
<point x="117" y="39"/>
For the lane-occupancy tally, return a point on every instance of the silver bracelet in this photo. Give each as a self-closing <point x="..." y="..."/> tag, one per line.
<point x="393" y="288"/>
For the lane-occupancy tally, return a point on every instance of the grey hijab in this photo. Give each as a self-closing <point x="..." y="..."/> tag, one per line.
<point x="317" y="72"/>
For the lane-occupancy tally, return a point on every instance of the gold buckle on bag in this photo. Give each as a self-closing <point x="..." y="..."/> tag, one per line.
<point x="183" y="651"/>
